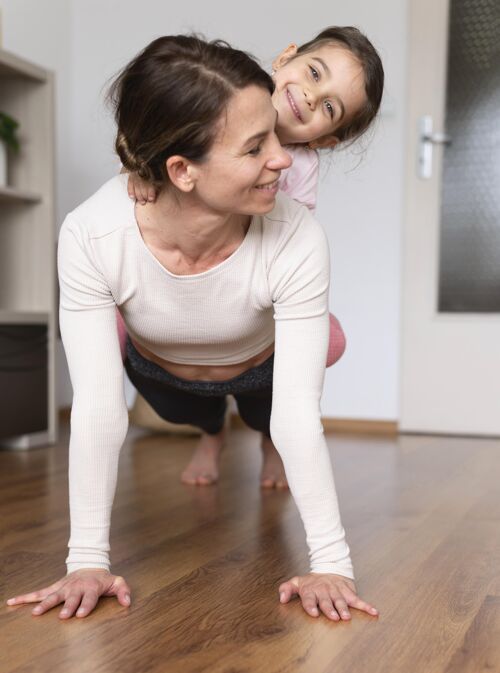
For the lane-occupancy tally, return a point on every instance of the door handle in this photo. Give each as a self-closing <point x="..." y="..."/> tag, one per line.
<point x="426" y="140"/>
<point x="437" y="138"/>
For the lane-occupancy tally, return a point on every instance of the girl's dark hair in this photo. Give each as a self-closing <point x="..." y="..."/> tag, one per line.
<point x="360" y="46"/>
<point x="169" y="98"/>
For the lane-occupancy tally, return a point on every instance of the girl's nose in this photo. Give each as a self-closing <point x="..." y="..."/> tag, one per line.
<point x="310" y="99"/>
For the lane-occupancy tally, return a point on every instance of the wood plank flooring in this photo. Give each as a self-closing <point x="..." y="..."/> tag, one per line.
<point x="422" y="516"/>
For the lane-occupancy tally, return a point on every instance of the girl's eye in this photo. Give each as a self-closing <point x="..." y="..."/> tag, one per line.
<point x="314" y="73"/>
<point x="255" y="151"/>
<point x="330" y="109"/>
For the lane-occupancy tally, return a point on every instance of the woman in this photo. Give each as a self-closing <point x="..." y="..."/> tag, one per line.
<point x="222" y="292"/>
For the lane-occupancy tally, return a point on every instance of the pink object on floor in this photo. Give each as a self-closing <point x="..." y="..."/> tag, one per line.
<point x="336" y="347"/>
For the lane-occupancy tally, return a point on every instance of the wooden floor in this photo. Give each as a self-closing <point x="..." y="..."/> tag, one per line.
<point x="422" y="516"/>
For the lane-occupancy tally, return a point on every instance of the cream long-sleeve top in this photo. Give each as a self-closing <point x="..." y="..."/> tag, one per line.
<point x="273" y="288"/>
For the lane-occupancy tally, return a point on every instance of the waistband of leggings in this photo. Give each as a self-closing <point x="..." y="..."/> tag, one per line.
<point x="254" y="379"/>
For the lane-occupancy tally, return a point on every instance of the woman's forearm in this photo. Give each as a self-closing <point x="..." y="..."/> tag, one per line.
<point x="96" y="439"/>
<point x="99" y="416"/>
<point x="297" y="432"/>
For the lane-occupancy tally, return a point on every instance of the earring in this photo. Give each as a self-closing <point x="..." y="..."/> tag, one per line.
<point x="273" y="72"/>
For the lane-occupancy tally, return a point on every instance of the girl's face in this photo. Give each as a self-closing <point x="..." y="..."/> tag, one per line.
<point x="316" y="93"/>
<point x="240" y="174"/>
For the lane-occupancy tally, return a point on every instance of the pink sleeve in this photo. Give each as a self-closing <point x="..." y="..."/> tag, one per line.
<point x="300" y="181"/>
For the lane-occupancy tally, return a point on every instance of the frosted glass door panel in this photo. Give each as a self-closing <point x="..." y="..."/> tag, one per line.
<point x="469" y="272"/>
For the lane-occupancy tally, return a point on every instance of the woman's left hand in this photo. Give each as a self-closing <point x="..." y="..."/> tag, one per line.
<point x="332" y="593"/>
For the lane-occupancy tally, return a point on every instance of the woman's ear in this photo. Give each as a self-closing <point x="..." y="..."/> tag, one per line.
<point x="324" y="142"/>
<point x="285" y="56"/>
<point x="181" y="172"/>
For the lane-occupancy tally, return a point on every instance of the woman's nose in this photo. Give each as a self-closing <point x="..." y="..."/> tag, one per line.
<point x="280" y="159"/>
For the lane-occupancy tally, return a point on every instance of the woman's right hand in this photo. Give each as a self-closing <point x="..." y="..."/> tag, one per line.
<point x="80" y="591"/>
<point x="140" y="190"/>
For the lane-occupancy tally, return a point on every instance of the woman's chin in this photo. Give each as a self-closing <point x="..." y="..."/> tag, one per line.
<point x="262" y="209"/>
<point x="265" y="201"/>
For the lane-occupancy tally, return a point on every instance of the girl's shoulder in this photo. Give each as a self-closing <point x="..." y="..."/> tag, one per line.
<point x="303" y="157"/>
<point x="300" y="181"/>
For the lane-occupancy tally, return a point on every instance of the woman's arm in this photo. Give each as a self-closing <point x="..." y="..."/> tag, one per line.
<point x="299" y="282"/>
<point x="99" y="416"/>
<point x="297" y="432"/>
<point x="298" y="279"/>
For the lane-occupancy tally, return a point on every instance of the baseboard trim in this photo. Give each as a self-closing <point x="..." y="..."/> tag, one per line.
<point x="357" y="426"/>
<point x="352" y="426"/>
<point x="344" y="425"/>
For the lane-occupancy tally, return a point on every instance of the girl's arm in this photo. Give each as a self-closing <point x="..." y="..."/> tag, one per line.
<point x="138" y="189"/>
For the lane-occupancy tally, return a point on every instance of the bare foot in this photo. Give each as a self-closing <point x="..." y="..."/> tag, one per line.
<point x="203" y="468"/>
<point x="273" y="472"/>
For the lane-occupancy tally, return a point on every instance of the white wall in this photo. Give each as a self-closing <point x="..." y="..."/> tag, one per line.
<point x="87" y="41"/>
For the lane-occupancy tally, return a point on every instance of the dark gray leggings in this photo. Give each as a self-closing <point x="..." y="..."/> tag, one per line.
<point x="203" y="403"/>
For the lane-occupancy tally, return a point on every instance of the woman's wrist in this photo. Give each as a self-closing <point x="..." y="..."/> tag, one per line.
<point x="71" y="567"/>
<point x="344" y="569"/>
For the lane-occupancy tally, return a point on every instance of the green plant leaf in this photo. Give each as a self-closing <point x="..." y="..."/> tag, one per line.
<point x="8" y="128"/>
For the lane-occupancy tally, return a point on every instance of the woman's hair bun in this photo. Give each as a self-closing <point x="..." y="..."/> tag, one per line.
<point x="131" y="162"/>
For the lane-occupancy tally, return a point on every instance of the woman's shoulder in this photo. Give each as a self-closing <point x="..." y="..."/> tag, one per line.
<point x="106" y="210"/>
<point x="296" y="256"/>
<point x="288" y="214"/>
<point x="290" y="224"/>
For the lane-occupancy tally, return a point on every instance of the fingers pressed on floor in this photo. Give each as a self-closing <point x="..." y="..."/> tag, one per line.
<point x="341" y="607"/>
<point x="48" y="603"/>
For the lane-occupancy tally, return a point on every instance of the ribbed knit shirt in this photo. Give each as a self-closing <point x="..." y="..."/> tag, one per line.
<point x="273" y="287"/>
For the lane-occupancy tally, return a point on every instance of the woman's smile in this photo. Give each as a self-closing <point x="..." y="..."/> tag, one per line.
<point x="270" y="187"/>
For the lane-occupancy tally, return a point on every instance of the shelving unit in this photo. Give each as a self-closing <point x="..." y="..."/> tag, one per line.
<point x="13" y="195"/>
<point x="28" y="277"/>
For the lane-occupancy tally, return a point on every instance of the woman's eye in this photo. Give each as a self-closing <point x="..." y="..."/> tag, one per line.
<point x="255" y="151"/>
<point x="330" y="109"/>
<point x="314" y="73"/>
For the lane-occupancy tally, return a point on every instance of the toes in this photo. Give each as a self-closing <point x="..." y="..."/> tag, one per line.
<point x="272" y="481"/>
<point x="198" y="479"/>
<point x="206" y="479"/>
<point x="188" y="479"/>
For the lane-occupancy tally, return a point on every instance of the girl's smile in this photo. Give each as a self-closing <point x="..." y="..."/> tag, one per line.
<point x="293" y="105"/>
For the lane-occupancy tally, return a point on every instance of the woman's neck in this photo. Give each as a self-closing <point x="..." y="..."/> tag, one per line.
<point x="184" y="225"/>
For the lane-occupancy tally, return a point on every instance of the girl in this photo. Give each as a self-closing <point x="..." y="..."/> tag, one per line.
<point x="313" y="85"/>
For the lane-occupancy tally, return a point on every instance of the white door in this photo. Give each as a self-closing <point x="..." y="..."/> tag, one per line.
<point x="451" y="253"/>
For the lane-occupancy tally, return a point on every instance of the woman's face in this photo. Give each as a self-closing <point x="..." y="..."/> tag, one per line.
<point x="240" y="174"/>
<point x="316" y="93"/>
